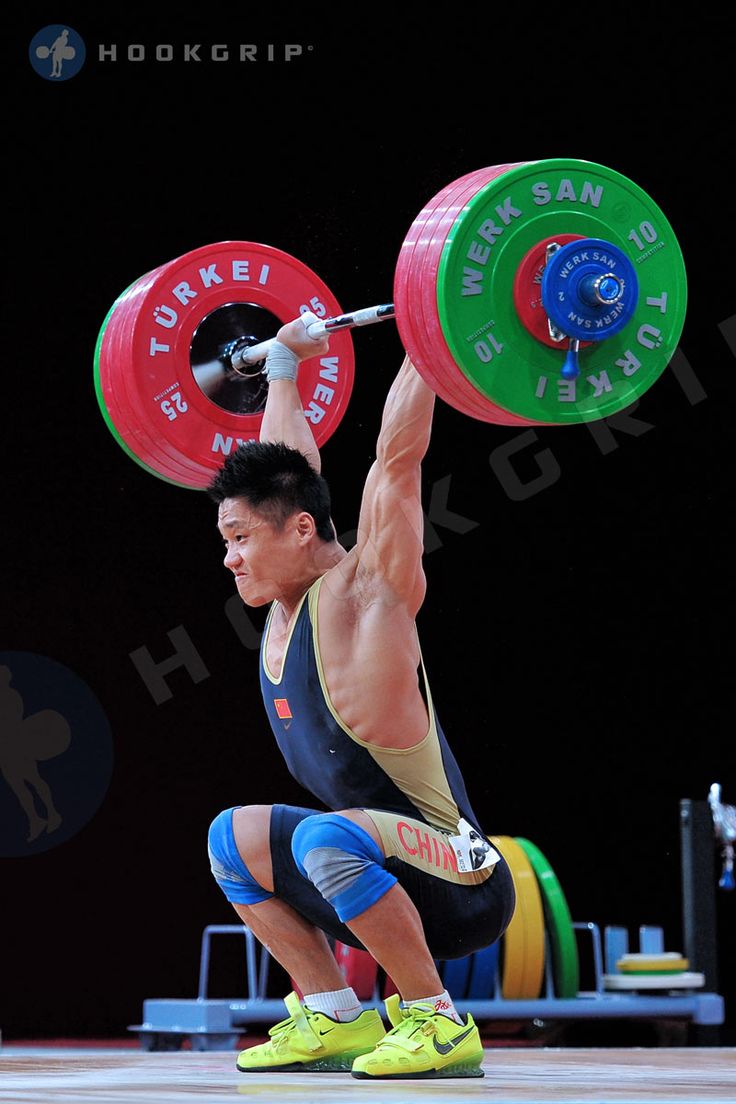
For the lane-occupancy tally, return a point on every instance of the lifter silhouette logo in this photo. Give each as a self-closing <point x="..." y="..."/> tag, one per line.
<point x="57" y="52"/>
<point x="55" y="754"/>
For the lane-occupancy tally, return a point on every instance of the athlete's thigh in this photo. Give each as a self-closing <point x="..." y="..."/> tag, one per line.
<point x="291" y="886"/>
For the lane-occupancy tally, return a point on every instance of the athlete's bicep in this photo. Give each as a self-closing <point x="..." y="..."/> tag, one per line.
<point x="391" y="533"/>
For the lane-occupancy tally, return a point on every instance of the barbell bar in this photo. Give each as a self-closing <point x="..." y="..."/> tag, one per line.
<point x="537" y="293"/>
<point x="245" y="355"/>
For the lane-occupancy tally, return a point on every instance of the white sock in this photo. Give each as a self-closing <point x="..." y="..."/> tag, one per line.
<point x="442" y="1003"/>
<point x="339" y="1004"/>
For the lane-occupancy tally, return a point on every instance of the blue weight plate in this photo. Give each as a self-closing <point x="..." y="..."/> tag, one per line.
<point x="455" y="976"/>
<point x="483" y="970"/>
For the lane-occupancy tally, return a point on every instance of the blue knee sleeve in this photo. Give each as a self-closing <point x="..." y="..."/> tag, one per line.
<point x="231" y="874"/>
<point x="342" y="861"/>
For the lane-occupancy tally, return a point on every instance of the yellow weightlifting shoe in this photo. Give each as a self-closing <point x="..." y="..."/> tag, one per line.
<point x="423" y="1043"/>
<point x="309" y="1042"/>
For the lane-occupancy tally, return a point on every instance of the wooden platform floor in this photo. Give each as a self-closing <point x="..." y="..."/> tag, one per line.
<point x="36" y="1075"/>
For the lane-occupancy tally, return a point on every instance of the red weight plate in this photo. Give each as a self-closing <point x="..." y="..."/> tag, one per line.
<point x="179" y="300"/>
<point x="148" y="441"/>
<point x="359" y="968"/>
<point x="155" y="415"/>
<point x="466" y="400"/>
<point x="446" y="205"/>
<point x="466" y="395"/>
<point x="128" y="417"/>
<point x="410" y="315"/>
<point x="528" y="290"/>
<point x="408" y="304"/>
<point x="478" y="405"/>
<point x="127" y="423"/>
<point x="482" y="408"/>
<point x="159" y="448"/>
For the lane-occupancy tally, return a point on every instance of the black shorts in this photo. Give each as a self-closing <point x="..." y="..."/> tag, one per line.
<point x="457" y="919"/>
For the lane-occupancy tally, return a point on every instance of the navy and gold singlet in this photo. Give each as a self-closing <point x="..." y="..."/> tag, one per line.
<point x="422" y="783"/>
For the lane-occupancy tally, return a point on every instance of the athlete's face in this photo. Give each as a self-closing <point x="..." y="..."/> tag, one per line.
<point x="262" y="559"/>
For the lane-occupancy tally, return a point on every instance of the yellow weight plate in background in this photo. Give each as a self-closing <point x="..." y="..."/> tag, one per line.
<point x="667" y="962"/>
<point x="523" y="941"/>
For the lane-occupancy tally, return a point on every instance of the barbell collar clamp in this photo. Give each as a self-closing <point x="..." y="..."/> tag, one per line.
<point x="601" y="291"/>
<point x="555" y="332"/>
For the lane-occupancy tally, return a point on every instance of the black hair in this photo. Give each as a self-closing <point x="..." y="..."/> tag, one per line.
<point x="276" y="481"/>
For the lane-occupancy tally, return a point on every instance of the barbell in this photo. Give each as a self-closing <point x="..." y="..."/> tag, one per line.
<point x="541" y="293"/>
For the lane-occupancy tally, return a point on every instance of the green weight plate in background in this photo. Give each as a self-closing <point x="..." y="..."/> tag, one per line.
<point x="565" y="965"/>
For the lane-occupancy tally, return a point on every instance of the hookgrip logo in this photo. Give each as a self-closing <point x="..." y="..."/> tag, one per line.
<point x="56" y="754"/>
<point x="57" y="52"/>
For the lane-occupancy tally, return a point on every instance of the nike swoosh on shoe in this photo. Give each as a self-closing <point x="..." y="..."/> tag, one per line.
<point x="445" y="1048"/>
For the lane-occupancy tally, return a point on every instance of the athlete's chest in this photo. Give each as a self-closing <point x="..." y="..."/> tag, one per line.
<point x="316" y="626"/>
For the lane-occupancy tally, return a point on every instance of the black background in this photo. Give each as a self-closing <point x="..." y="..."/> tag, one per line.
<point x="576" y="641"/>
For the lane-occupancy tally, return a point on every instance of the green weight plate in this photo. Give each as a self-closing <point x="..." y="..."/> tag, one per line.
<point x="488" y="242"/>
<point x="565" y="965"/>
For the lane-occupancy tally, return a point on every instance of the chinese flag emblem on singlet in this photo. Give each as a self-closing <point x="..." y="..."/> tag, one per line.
<point x="282" y="708"/>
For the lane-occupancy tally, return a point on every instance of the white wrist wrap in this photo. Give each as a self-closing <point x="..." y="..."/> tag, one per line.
<point x="281" y="363"/>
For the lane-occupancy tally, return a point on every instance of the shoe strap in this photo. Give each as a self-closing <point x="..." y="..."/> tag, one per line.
<point x="296" y="1010"/>
<point x="281" y="1027"/>
<point x="394" y="1011"/>
<point x="408" y="1036"/>
<point x="410" y="1025"/>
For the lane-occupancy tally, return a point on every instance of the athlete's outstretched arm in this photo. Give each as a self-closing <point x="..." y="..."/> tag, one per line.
<point x="283" y="420"/>
<point x="283" y="417"/>
<point x="391" y="526"/>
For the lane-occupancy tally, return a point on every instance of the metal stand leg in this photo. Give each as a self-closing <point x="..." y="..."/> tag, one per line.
<point x="699" y="903"/>
<point x="254" y="985"/>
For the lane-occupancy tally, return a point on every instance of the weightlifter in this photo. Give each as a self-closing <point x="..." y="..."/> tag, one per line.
<point x="400" y="866"/>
